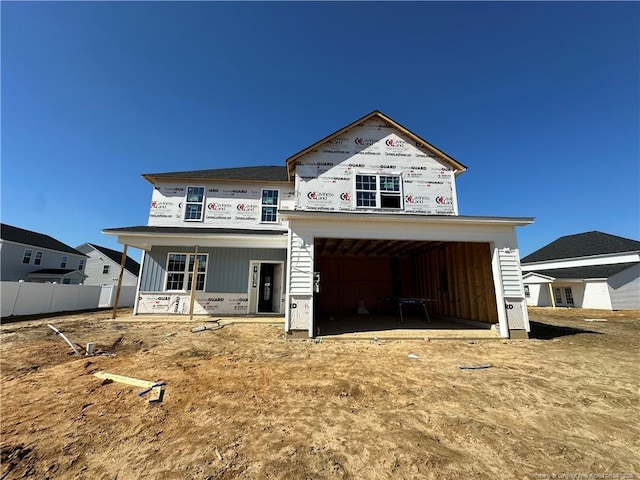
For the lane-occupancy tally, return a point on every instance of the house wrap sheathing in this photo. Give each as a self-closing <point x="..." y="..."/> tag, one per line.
<point x="362" y="219"/>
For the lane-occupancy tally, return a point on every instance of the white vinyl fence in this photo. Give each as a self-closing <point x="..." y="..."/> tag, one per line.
<point x="27" y="298"/>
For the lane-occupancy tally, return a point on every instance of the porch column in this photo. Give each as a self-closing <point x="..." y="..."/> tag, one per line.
<point x="194" y="281"/>
<point x="122" y="265"/>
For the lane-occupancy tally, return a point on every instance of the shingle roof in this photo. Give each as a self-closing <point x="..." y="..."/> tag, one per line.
<point x="55" y="271"/>
<point x="260" y="173"/>
<point x="192" y="230"/>
<point x="590" y="271"/>
<point x="27" y="237"/>
<point x="130" y="264"/>
<point x="582" y="245"/>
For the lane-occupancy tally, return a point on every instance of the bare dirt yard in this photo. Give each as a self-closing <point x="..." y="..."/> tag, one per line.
<point x="243" y="402"/>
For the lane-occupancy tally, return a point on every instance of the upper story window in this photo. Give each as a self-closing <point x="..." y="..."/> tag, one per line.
<point x="378" y="191"/>
<point x="38" y="258"/>
<point x="81" y="266"/>
<point x="105" y="269"/>
<point x="194" y="208"/>
<point x="64" y="261"/>
<point x="269" y="206"/>
<point x="26" y="258"/>
<point x="180" y="271"/>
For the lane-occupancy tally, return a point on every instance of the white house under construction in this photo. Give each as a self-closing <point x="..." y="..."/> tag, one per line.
<point x="364" y="220"/>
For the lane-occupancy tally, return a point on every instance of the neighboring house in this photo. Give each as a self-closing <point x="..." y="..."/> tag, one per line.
<point x="363" y="220"/>
<point x="586" y="270"/>
<point x="103" y="266"/>
<point x="34" y="257"/>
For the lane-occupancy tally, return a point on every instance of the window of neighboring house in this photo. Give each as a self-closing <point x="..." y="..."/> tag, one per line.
<point x="38" y="258"/>
<point x="378" y="191"/>
<point x="64" y="261"/>
<point x="526" y="291"/>
<point x="81" y="266"/>
<point x="568" y="294"/>
<point x="194" y="204"/>
<point x="180" y="271"/>
<point x="557" y="293"/>
<point x="269" y="206"/>
<point x="66" y="281"/>
<point x="26" y="258"/>
<point x="105" y="269"/>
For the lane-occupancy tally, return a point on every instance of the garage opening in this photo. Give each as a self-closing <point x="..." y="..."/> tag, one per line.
<point x="367" y="285"/>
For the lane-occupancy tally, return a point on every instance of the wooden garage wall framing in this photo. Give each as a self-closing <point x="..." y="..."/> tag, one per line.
<point x="457" y="275"/>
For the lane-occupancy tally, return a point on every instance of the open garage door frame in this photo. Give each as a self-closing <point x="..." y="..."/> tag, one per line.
<point x="357" y="232"/>
<point x="455" y="278"/>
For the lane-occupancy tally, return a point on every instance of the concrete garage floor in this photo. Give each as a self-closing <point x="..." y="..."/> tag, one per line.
<point x="388" y="327"/>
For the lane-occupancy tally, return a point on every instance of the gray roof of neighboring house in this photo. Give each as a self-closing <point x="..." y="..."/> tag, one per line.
<point x="260" y="173"/>
<point x="192" y="230"/>
<point x="35" y="239"/>
<point x="582" y="245"/>
<point x="130" y="264"/>
<point x="590" y="271"/>
<point x="53" y="271"/>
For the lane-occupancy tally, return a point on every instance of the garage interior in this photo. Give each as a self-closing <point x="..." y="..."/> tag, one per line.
<point x="370" y="276"/>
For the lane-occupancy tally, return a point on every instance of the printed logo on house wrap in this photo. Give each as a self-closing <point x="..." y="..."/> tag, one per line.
<point x="443" y="200"/>
<point x="246" y="208"/>
<point x="345" y="197"/>
<point x="319" y="196"/>
<point x="395" y="143"/>
<point x="365" y="142"/>
<point x="161" y="205"/>
<point x="219" y="207"/>
<point x="416" y="199"/>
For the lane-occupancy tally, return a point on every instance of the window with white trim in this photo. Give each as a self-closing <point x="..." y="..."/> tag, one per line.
<point x="180" y="271"/>
<point x="105" y="269"/>
<point x="194" y="204"/>
<point x="38" y="258"/>
<point x="26" y="257"/>
<point x="527" y="293"/>
<point x="378" y="191"/>
<point x="81" y="266"/>
<point x="269" y="206"/>
<point x="64" y="261"/>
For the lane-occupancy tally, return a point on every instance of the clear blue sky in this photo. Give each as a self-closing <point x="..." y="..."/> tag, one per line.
<point x="539" y="100"/>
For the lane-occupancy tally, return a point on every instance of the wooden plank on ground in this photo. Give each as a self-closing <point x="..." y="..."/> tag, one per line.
<point x="155" y="394"/>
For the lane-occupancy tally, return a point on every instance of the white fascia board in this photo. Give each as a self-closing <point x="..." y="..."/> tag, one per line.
<point x="145" y="241"/>
<point x="605" y="259"/>
<point x="404" y="218"/>
<point x="403" y="227"/>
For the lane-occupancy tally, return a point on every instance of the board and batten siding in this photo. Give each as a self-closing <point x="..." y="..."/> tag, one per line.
<point x="227" y="269"/>
<point x="624" y="289"/>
